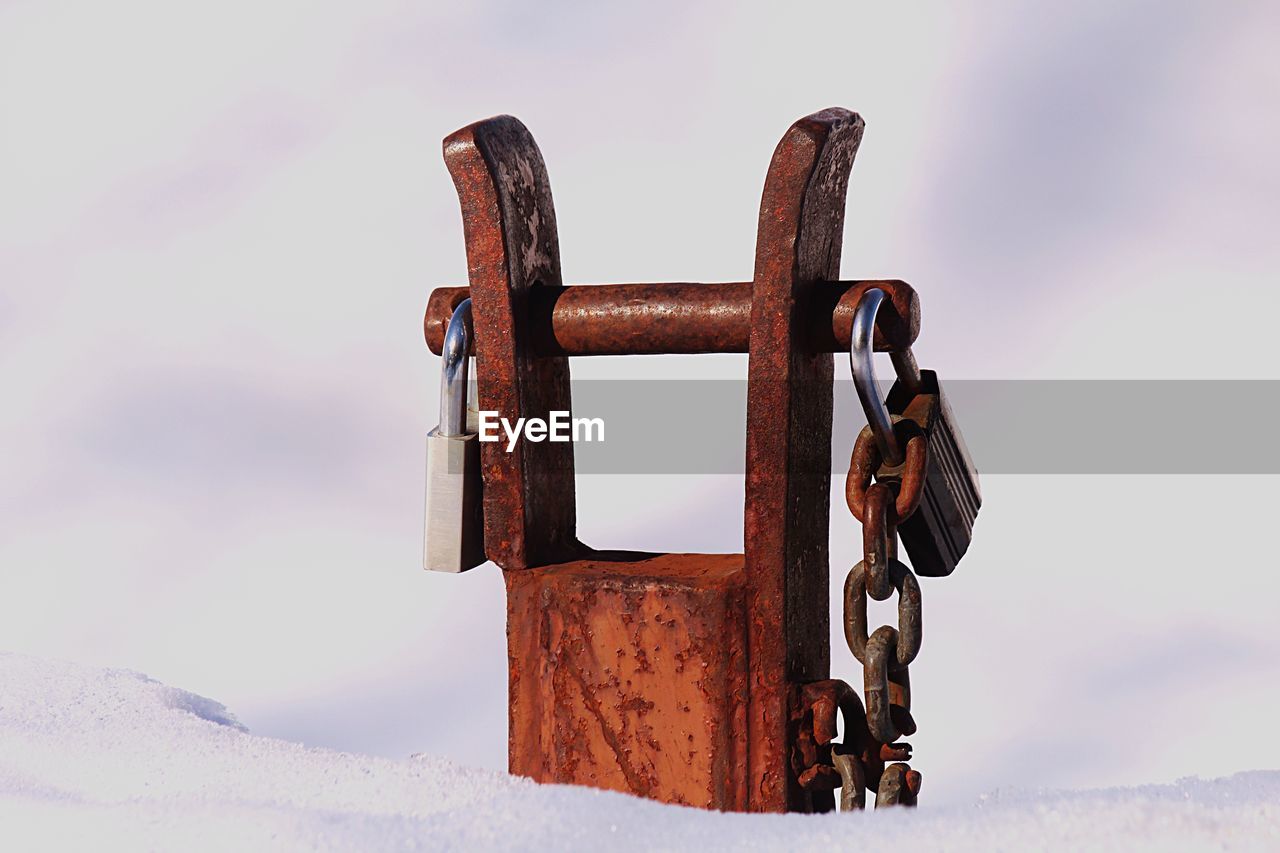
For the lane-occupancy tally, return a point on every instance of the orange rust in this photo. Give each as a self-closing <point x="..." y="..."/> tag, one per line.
<point x="626" y="675"/>
<point x="684" y="317"/>
<point x="672" y="676"/>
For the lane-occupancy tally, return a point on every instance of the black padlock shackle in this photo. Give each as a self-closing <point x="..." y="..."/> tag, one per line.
<point x="455" y="371"/>
<point x="861" y="337"/>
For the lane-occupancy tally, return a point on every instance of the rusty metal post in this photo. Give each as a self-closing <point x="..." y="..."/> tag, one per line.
<point x="789" y="440"/>
<point x="509" y="225"/>
<point x="671" y="676"/>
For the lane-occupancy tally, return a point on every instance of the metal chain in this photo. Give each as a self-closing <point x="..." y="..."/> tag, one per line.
<point x="886" y="653"/>
<point x="885" y="485"/>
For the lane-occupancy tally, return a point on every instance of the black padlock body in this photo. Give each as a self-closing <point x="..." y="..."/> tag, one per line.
<point x="937" y="534"/>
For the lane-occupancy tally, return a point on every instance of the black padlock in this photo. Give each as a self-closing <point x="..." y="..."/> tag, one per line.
<point x="938" y="533"/>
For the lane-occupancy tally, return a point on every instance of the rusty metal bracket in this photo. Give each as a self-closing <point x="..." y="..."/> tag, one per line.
<point x="671" y="676"/>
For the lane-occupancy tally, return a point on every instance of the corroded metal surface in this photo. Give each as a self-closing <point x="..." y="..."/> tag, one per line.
<point x="512" y="251"/>
<point x="857" y="763"/>
<point x="672" y="676"/>
<point x="683" y="317"/>
<point x="899" y="786"/>
<point x="909" y="613"/>
<point x="789" y="440"/>
<point x="633" y="676"/>
<point x="814" y="755"/>
<point x="908" y="478"/>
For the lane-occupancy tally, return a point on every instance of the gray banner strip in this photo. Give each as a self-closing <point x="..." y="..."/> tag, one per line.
<point x="1010" y="426"/>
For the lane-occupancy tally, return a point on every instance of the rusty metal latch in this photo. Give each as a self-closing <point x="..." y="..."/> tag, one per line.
<point x="687" y="678"/>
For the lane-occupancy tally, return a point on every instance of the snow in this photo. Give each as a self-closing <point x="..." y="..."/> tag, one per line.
<point x="110" y="759"/>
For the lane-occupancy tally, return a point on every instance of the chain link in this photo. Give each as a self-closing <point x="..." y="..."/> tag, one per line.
<point x="899" y="786"/>
<point x="910" y="632"/>
<point x="885" y="485"/>
<point x="880" y="497"/>
<point x="879" y="540"/>
<point x="908" y="478"/>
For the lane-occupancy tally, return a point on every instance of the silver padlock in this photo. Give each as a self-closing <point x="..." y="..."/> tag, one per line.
<point x="454" y="540"/>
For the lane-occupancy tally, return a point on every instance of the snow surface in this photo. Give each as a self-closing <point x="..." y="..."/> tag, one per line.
<point x="109" y="759"/>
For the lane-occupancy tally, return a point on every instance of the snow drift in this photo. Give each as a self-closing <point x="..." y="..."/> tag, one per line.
<point x="109" y="759"/>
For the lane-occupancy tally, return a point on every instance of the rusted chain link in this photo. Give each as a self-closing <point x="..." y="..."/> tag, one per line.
<point x="910" y="631"/>
<point x="889" y="471"/>
<point x="887" y="693"/>
<point x="879" y="539"/>
<point x="821" y="764"/>
<point x="880" y="497"/>
<point x="867" y="464"/>
<point x="853" y="781"/>
<point x="855" y="764"/>
<point x="899" y="786"/>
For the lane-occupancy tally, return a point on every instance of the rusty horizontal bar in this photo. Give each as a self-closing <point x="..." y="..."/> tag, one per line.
<point x="683" y="317"/>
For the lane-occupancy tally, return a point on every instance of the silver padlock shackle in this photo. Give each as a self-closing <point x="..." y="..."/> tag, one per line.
<point x="455" y="371"/>
<point x="861" y="344"/>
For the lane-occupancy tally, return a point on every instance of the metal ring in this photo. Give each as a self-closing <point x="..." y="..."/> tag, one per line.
<point x="875" y="684"/>
<point x="814" y="749"/>
<point x="899" y="786"/>
<point x="853" y="781"/>
<point x="908" y="641"/>
<point x="861" y="346"/>
<point x="887" y="691"/>
<point x="865" y="464"/>
<point x="455" y="371"/>
<point x="879" y="540"/>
